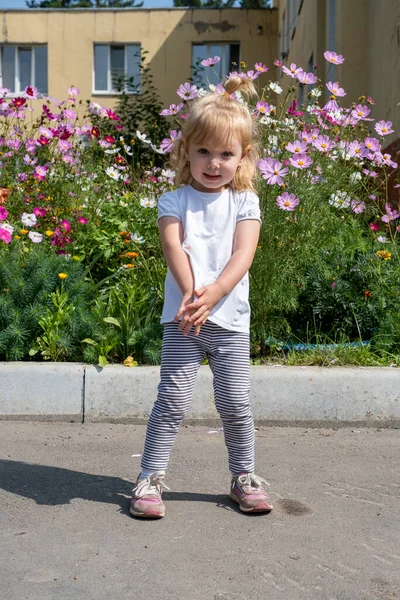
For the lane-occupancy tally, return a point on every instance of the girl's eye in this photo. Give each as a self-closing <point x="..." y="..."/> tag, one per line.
<point x="203" y="151"/>
<point x="227" y="153"/>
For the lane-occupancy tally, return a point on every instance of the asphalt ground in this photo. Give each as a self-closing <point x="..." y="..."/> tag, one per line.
<point x="66" y="532"/>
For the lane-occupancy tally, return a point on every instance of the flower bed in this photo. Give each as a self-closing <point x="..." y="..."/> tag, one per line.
<point x="81" y="274"/>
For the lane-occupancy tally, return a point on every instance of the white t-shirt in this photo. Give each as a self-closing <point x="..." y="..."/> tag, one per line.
<point x="209" y="223"/>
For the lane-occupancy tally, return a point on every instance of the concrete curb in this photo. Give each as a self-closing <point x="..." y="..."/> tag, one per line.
<point x="310" y="396"/>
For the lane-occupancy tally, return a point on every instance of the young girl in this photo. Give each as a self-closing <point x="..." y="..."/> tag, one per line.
<point x="209" y="231"/>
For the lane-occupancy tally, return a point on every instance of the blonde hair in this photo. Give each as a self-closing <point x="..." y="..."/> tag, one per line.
<point x="219" y="116"/>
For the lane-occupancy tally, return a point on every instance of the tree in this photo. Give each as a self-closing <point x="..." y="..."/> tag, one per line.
<point x="204" y="3"/>
<point x="255" y="4"/>
<point x="82" y="4"/>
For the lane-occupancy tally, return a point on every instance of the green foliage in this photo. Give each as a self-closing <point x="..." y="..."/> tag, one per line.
<point x="204" y="3"/>
<point x="34" y="303"/>
<point x="82" y="4"/>
<point x="139" y="107"/>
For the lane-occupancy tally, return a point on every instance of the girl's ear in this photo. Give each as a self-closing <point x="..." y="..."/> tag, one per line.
<point x="245" y="154"/>
<point x="186" y="150"/>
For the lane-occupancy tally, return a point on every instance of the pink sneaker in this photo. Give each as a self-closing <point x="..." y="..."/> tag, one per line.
<point x="146" y="497"/>
<point x="248" y="492"/>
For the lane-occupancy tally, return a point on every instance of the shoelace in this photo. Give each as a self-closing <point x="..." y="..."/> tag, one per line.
<point x="150" y="486"/>
<point x="253" y="481"/>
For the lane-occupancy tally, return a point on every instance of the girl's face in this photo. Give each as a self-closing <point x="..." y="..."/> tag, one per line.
<point x="212" y="165"/>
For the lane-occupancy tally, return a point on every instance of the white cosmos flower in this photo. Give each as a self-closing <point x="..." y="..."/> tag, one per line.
<point x="137" y="239"/>
<point x="113" y="173"/>
<point x="340" y="200"/>
<point x="128" y="150"/>
<point x="275" y="87"/>
<point x="158" y="150"/>
<point x="316" y="93"/>
<point x="143" y="137"/>
<point x="168" y="173"/>
<point x="112" y="150"/>
<point x="148" y="202"/>
<point x="355" y="177"/>
<point x="28" y="219"/>
<point x="35" y="237"/>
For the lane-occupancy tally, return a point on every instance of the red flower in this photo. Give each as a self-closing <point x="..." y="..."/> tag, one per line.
<point x="367" y="294"/>
<point x="112" y="115"/>
<point x="95" y="131"/>
<point x="43" y="141"/>
<point x="109" y="139"/>
<point x="18" y="102"/>
<point x="120" y="160"/>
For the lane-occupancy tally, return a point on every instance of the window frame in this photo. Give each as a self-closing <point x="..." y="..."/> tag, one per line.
<point x="32" y="48"/>
<point x="224" y="62"/>
<point x="110" y="91"/>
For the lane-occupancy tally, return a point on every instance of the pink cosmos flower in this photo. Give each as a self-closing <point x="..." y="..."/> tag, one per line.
<point x="361" y="112"/>
<point x="260" y="67"/>
<point x="372" y="144"/>
<point x="307" y="78"/>
<point x="292" y="110"/>
<point x="331" y="105"/>
<point x="323" y="143"/>
<point x="297" y="147"/>
<point x="31" y="91"/>
<point x="64" y="146"/>
<point x="3" y="213"/>
<point x="300" y="161"/>
<point x="168" y="143"/>
<point x="210" y="62"/>
<point x="263" y="107"/>
<point x="370" y="173"/>
<point x="82" y="220"/>
<point x="357" y="206"/>
<point x="374" y="226"/>
<point x="287" y="201"/>
<point x="172" y="110"/>
<point x="272" y="170"/>
<point x="252" y="75"/>
<point x="40" y="173"/>
<point x="111" y="114"/>
<point x="332" y="57"/>
<point x="5" y="235"/>
<point x="335" y="89"/>
<point x="293" y="71"/>
<point x="69" y="114"/>
<point x="384" y="127"/>
<point x="73" y="92"/>
<point x="391" y="214"/>
<point x="277" y="63"/>
<point x="357" y="149"/>
<point x="187" y="91"/>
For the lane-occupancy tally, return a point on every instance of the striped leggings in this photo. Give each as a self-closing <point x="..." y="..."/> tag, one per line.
<point x="229" y="359"/>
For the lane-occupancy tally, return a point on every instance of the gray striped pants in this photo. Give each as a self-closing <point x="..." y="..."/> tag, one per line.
<point x="229" y="358"/>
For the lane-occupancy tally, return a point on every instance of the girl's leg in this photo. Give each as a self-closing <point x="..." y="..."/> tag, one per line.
<point x="230" y="363"/>
<point x="181" y="358"/>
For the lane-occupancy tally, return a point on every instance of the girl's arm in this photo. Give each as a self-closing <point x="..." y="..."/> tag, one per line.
<point x="244" y="247"/>
<point x="171" y="234"/>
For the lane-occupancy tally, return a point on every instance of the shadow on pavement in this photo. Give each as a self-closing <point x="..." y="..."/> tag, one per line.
<point x="54" y="485"/>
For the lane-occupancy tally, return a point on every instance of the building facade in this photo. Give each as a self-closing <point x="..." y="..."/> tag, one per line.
<point x="55" y="49"/>
<point x="365" y="32"/>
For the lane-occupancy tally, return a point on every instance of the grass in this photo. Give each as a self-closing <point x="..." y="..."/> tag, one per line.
<point x="362" y="356"/>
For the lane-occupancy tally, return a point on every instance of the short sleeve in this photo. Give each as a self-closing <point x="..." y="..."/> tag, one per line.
<point x="248" y="207"/>
<point x="168" y="206"/>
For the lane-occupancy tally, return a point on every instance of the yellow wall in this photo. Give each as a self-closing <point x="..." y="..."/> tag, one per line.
<point x="167" y="35"/>
<point x="366" y="33"/>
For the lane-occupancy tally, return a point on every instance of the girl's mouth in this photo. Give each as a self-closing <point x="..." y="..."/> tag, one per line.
<point x="213" y="177"/>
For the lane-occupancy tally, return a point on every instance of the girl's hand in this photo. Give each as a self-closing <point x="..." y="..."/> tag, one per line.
<point x="207" y="297"/>
<point x="185" y="325"/>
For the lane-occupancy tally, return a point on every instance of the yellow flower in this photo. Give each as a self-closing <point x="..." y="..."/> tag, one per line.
<point x="24" y="231"/>
<point x="63" y="275"/>
<point x="384" y="254"/>
<point x="49" y="233"/>
<point x="76" y="257"/>
<point x="129" y="266"/>
<point x="132" y="254"/>
<point x="17" y="237"/>
<point x="130" y="362"/>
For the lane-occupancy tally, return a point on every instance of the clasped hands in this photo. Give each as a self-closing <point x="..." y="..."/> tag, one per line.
<point x="196" y="307"/>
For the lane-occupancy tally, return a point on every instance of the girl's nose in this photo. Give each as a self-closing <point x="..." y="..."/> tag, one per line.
<point x="214" y="163"/>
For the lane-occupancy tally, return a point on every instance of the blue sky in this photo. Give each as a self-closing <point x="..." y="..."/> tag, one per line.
<point x="147" y="3"/>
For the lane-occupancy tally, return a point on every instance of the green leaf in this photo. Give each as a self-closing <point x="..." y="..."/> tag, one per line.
<point x="88" y="341"/>
<point x="33" y="351"/>
<point x="112" y="321"/>
<point x="102" y="361"/>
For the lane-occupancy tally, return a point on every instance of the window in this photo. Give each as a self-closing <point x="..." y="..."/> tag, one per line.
<point x="230" y="59"/>
<point x="22" y="66"/>
<point x="112" y="62"/>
